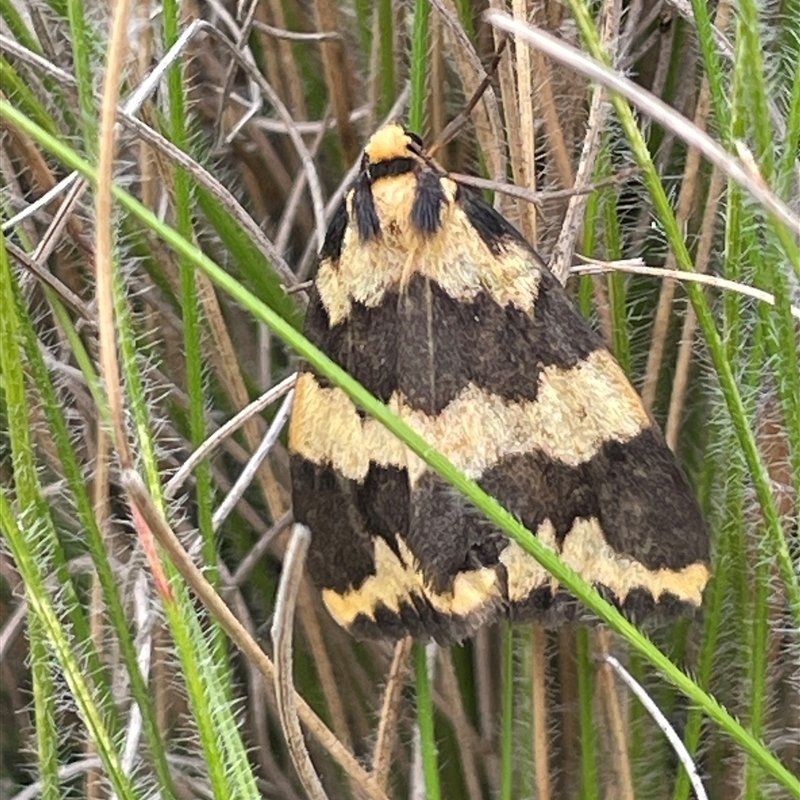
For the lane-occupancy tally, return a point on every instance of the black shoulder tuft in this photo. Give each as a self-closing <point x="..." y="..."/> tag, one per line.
<point x="427" y="208"/>
<point x="332" y="246"/>
<point x="369" y="226"/>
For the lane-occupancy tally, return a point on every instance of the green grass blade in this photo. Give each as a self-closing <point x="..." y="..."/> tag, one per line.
<point x="791" y="144"/>
<point x="40" y="606"/>
<point x="749" y="60"/>
<point x="254" y="267"/>
<point x="386" y="56"/>
<point x="17" y="27"/>
<point x="18" y="91"/>
<point x="712" y="62"/>
<point x="759" y="638"/>
<point x="28" y="489"/>
<point x="364" y="10"/>
<point x="427" y="733"/>
<point x="419" y="65"/>
<point x="94" y="540"/>
<point x="714" y="598"/>
<point x="84" y="54"/>
<point x="612" y="237"/>
<point x="25" y="549"/>
<point x="190" y="307"/>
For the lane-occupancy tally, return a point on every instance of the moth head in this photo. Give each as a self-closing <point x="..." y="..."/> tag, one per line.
<point x="390" y="142"/>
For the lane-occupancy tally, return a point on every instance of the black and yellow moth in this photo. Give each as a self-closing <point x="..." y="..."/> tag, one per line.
<point x="436" y="303"/>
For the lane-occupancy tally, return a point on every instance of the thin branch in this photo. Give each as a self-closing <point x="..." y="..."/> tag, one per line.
<point x="462" y="118"/>
<point x="256" y="553"/>
<point x="40" y="204"/>
<point x="47" y="277"/>
<point x="635" y="265"/>
<point x="489" y="129"/>
<point x="545" y="195"/>
<point x="246" y="477"/>
<point x="66" y="772"/>
<point x="242" y="35"/>
<point x="565" y="245"/>
<point x="226" y="430"/>
<point x="294" y="36"/>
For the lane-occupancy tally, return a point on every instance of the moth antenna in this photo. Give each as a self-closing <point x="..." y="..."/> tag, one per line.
<point x="417" y="148"/>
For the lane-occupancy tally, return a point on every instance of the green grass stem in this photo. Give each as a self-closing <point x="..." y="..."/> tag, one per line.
<point x="507" y="724"/>
<point x="425" y="720"/>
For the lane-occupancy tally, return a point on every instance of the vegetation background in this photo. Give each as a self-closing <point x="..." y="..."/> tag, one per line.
<point x="123" y="348"/>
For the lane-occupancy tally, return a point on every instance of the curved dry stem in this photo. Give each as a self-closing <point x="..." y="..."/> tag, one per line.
<point x="253" y="465"/>
<point x="104" y="264"/>
<point x="663" y="723"/>
<point x="387" y="727"/>
<point x="226" y="430"/>
<point x="242" y="35"/>
<point x="285" y="604"/>
<point x="616" y="726"/>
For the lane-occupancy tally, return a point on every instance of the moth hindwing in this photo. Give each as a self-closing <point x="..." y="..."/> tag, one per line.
<point x="435" y="303"/>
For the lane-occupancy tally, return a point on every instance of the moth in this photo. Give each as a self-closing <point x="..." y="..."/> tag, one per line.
<point x="435" y="303"/>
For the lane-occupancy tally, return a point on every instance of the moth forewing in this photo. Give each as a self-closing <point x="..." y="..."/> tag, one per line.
<point x="436" y="303"/>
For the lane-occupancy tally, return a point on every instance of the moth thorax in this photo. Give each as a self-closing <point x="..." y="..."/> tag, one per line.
<point x="394" y="200"/>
